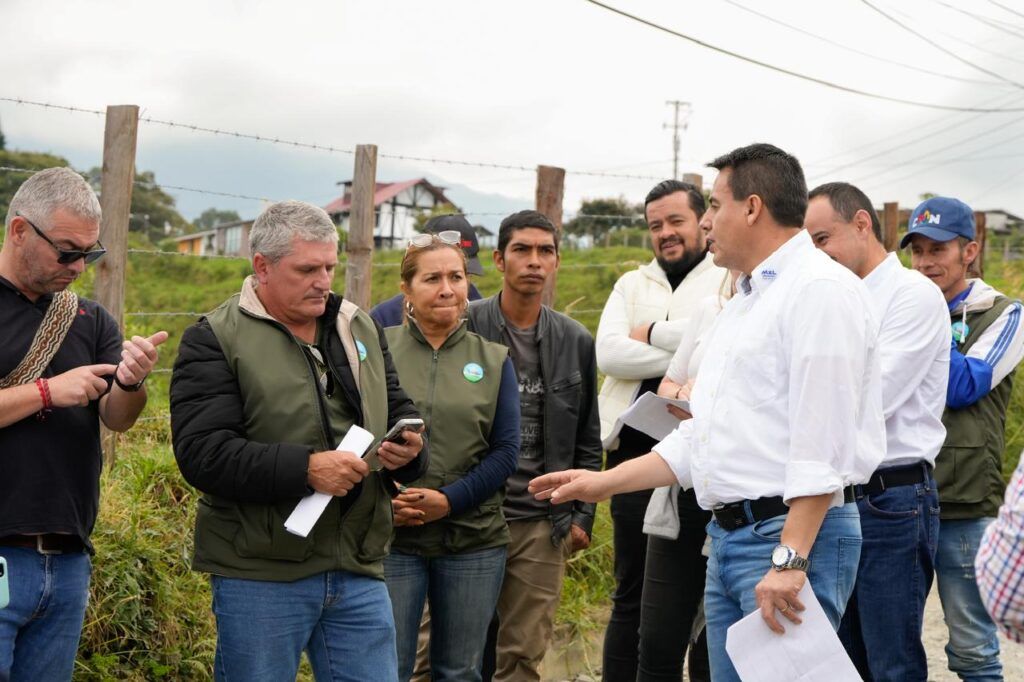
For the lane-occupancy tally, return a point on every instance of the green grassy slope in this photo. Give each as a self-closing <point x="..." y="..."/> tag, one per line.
<point x="149" y="615"/>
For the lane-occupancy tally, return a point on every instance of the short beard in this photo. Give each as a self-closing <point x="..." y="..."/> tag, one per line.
<point x="682" y="267"/>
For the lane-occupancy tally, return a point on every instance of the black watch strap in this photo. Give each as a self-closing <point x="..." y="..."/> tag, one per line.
<point x="129" y="388"/>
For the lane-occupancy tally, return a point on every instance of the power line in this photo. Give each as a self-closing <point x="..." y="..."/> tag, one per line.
<point x="952" y="54"/>
<point x="962" y="157"/>
<point x="958" y="39"/>
<point x="997" y="185"/>
<point x="912" y="129"/>
<point x="914" y="140"/>
<point x="794" y="74"/>
<point x="1005" y="8"/>
<point x="854" y="50"/>
<point x="988" y="21"/>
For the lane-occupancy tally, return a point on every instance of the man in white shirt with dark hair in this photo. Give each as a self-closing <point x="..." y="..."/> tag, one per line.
<point x="787" y="411"/>
<point x="899" y="506"/>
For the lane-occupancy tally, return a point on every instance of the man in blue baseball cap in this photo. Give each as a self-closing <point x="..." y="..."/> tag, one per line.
<point x="985" y="347"/>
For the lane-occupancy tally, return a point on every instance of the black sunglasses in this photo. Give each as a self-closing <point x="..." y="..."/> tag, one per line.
<point x="68" y="256"/>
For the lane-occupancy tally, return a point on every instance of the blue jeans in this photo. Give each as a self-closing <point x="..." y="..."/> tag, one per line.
<point x="41" y="626"/>
<point x="463" y="591"/>
<point x="882" y="626"/>
<point x="741" y="558"/>
<point x="973" y="648"/>
<point x="342" y="620"/>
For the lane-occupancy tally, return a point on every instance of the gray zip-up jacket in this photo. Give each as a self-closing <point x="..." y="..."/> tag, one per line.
<point x="572" y="427"/>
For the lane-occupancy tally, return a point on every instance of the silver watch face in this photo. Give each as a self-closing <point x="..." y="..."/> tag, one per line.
<point x="781" y="555"/>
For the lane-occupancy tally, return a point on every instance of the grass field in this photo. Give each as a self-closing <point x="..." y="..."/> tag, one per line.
<point x="149" y="615"/>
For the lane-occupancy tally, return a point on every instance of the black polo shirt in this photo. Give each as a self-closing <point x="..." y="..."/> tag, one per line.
<point x="50" y="470"/>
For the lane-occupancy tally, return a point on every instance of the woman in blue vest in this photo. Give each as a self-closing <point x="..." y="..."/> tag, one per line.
<point x="451" y="537"/>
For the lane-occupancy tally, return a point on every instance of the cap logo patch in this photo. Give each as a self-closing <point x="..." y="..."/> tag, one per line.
<point x="929" y="218"/>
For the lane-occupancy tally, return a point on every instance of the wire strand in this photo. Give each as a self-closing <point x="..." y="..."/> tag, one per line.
<point x="794" y="74"/>
<point x="854" y="50"/>
<point x="944" y="50"/>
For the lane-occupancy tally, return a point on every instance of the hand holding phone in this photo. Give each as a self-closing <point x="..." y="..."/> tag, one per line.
<point x="394" y="434"/>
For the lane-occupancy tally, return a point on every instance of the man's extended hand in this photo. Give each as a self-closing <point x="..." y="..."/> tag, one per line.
<point x="641" y="332"/>
<point x="335" y="472"/>
<point x="579" y="538"/>
<point x="397" y="455"/>
<point x="138" y="357"/>
<point x="778" y="590"/>
<point x="79" y="386"/>
<point x="571" y="484"/>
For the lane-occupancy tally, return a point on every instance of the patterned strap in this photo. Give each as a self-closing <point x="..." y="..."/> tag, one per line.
<point x="48" y="339"/>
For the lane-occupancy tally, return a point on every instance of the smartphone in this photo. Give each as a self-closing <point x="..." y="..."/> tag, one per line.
<point x="5" y="593"/>
<point x="394" y="435"/>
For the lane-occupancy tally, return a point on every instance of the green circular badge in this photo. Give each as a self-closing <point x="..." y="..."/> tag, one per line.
<point x="473" y="372"/>
<point x="362" y="350"/>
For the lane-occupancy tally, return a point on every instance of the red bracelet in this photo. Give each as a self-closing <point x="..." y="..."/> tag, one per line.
<point x="44" y="392"/>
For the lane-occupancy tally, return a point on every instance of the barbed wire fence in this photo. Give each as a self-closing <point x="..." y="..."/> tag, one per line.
<point x="118" y="179"/>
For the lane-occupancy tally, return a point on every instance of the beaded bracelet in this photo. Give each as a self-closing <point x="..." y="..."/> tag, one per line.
<point x="44" y="392"/>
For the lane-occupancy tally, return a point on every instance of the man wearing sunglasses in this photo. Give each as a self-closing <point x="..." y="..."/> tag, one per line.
<point x="63" y="368"/>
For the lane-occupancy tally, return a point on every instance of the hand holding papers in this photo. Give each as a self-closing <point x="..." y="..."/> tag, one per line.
<point x="650" y="414"/>
<point x="809" y="652"/>
<point x="308" y="510"/>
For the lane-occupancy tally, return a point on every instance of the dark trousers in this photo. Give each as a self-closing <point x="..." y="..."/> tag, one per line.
<point x="673" y="590"/>
<point x="622" y="638"/>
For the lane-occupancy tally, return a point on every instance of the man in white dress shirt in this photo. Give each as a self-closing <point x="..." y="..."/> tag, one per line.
<point x="899" y="506"/>
<point x="787" y="411"/>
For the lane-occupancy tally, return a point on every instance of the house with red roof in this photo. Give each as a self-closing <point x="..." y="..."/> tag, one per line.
<point x="396" y="206"/>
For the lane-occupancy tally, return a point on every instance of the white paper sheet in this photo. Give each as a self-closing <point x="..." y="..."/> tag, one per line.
<point x="809" y="652"/>
<point x="307" y="512"/>
<point x="650" y="414"/>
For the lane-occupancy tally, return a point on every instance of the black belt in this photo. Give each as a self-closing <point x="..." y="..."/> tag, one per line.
<point x="47" y="543"/>
<point x="881" y="481"/>
<point x="734" y="515"/>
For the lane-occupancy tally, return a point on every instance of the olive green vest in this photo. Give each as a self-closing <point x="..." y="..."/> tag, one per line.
<point x="455" y="388"/>
<point x="968" y="469"/>
<point x="281" y="404"/>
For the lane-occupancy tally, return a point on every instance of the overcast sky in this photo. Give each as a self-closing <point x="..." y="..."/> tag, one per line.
<point x="559" y="82"/>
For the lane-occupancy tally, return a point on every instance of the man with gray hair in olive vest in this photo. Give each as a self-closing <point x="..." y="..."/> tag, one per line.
<point x="263" y="390"/>
<point x="986" y="345"/>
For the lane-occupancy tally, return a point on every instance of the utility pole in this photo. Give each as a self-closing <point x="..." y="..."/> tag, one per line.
<point x="684" y="107"/>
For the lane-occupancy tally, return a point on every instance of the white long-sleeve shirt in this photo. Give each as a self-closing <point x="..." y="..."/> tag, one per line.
<point x="788" y="400"/>
<point x="913" y="341"/>
<point x="639" y="297"/>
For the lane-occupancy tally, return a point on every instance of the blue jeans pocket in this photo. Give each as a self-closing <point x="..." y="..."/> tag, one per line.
<point x="892" y="505"/>
<point x="769" y="530"/>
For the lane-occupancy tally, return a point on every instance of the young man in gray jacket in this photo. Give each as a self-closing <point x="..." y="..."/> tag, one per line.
<point x="555" y="361"/>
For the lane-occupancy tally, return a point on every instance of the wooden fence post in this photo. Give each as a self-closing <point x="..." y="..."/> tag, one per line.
<point x="891" y="225"/>
<point x="120" y="136"/>
<point x="550" y="190"/>
<point x="359" y="246"/>
<point x="977" y="268"/>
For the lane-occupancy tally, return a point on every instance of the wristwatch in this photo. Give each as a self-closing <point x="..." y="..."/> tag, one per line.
<point x="784" y="557"/>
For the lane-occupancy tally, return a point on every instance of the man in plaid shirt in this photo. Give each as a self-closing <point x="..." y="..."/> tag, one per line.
<point x="999" y="565"/>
